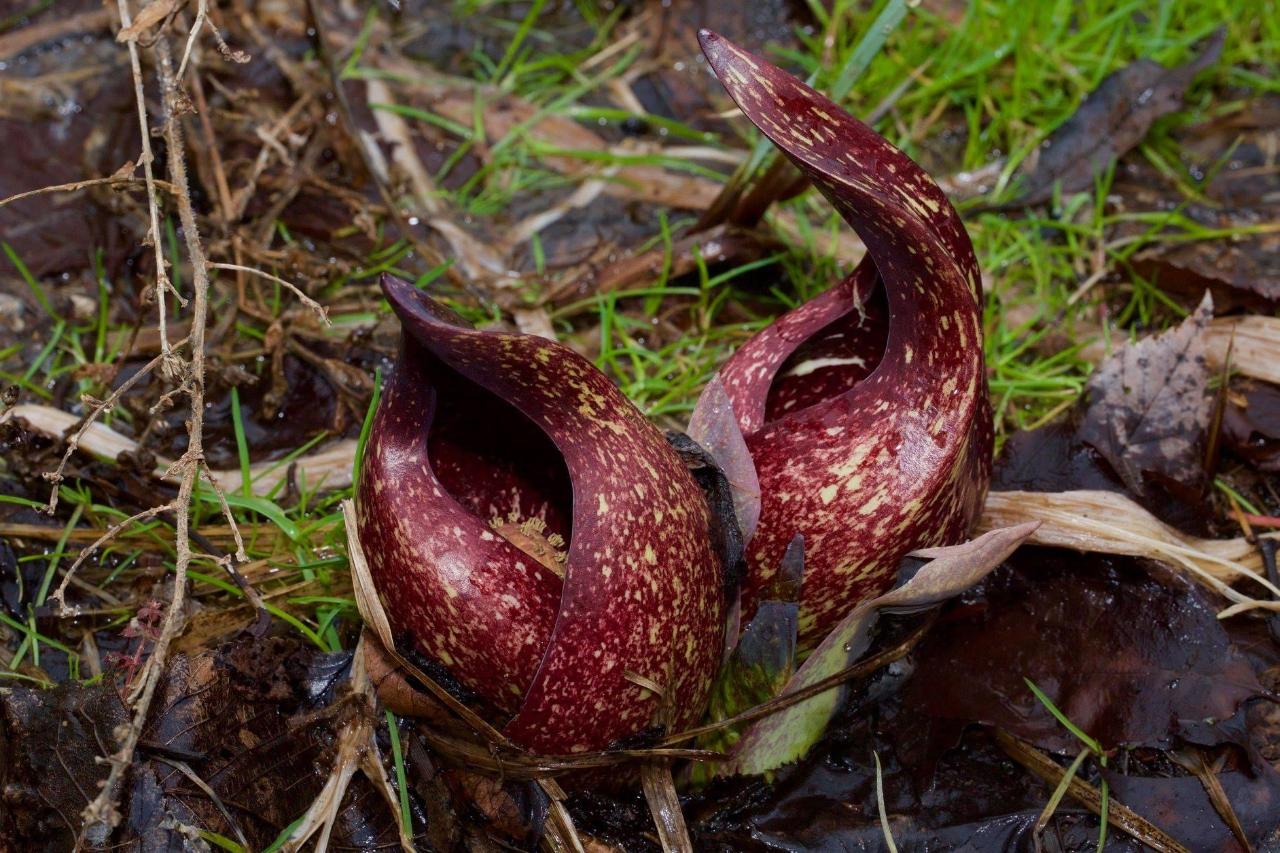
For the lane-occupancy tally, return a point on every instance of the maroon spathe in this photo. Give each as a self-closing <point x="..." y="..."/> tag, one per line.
<point x="870" y="437"/>
<point x="484" y="433"/>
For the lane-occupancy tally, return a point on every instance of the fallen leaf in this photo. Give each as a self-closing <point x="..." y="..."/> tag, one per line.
<point x="50" y="232"/>
<point x="1233" y="270"/>
<point x="1130" y="656"/>
<point x="51" y="739"/>
<point x="1113" y="119"/>
<point x="1181" y="807"/>
<point x="1149" y="407"/>
<point x="1251" y="424"/>
<point x="1235" y="152"/>
<point x="148" y="16"/>
<point x="515" y="810"/>
<point x="980" y="801"/>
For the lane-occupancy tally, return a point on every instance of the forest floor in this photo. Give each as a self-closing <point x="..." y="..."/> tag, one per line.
<point x="562" y="167"/>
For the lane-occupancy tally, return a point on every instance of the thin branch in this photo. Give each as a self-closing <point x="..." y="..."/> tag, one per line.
<point x="153" y="204"/>
<point x="240" y="556"/>
<point x="292" y="288"/>
<point x="97" y="411"/>
<point x="202" y="15"/>
<point x="111" y="533"/>
<point x="123" y="175"/>
<point x="101" y="815"/>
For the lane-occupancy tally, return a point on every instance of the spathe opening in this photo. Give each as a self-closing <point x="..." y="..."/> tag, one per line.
<point x="831" y="361"/>
<point x="497" y="463"/>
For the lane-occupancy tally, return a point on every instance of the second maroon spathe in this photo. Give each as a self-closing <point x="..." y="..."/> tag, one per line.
<point x="865" y="410"/>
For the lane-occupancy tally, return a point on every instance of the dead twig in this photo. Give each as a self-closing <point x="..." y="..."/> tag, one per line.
<point x="163" y="284"/>
<point x="1118" y="815"/>
<point x="292" y="288"/>
<point x="56" y="476"/>
<point x="123" y="175"/>
<point x="101" y="815"/>
<point x="111" y="533"/>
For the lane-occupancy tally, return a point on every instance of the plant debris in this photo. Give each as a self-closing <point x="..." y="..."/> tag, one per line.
<point x="255" y="721"/>
<point x="188" y="662"/>
<point x="1112" y="120"/>
<point x="1149" y="408"/>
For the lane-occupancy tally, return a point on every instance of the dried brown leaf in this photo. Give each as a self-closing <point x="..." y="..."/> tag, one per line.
<point x="1149" y="407"/>
<point x="147" y="17"/>
<point x="1112" y="120"/>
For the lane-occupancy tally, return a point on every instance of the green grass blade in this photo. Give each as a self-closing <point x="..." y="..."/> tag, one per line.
<point x="1062" y="718"/>
<point x="402" y="785"/>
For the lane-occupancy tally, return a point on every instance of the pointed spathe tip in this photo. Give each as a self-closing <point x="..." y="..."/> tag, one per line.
<point x="396" y="289"/>
<point x="410" y="303"/>
<point x="713" y="47"/>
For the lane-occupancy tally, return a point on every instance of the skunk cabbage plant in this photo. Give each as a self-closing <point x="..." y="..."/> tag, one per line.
<point x="865" y="409"/>
<point x="530" y="531"/>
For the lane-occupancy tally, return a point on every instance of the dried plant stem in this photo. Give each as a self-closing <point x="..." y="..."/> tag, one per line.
<point x="97" y="411"/>
<point x="202" y="15"/>
<point x="123" y="175"/>
<point x="101" y="815"/>
<point x="209" y="477"/>
<point x="111" y="533"/>
<point x="1114" y="524"/>
<point x="153" y="204"/>
<point x="1118" y="815"/>
<point x="292" y="288"/>
<point x="664" y="806"/>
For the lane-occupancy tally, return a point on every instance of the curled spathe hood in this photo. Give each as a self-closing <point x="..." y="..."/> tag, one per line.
<point x="864" y="410"/>
<point x="498" y="462"/>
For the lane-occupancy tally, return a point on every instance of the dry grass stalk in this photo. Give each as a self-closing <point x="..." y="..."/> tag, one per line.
<point x="664" y="806"/>
<point x="1113" y="524"/>
<point x="1119" y="815"/>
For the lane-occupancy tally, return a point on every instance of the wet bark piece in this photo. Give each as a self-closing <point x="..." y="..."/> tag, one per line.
<point x="1133" y="658"/>
<point x="1113" y="119"/>
<point x="1149" y="407"/>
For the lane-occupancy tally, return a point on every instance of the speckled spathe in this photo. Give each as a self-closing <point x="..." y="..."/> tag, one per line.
<point x="868" y="445"/>
<point x="477" y="425"/>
